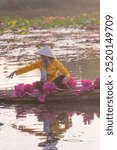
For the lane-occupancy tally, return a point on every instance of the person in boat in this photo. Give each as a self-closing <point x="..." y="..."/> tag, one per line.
<point x="49" y="67"/>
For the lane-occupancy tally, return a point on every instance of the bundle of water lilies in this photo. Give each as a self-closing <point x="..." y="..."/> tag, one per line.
<point x="50" y="88"/>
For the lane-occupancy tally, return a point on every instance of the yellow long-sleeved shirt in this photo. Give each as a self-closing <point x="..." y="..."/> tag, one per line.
<point x="52" y="69"/>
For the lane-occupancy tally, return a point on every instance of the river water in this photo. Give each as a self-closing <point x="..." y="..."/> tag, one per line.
<point x="54" y="126"/>
<point x="77" y="49"/>
<point x="49" y="127"/>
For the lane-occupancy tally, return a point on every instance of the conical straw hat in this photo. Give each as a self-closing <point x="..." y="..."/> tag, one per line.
<point x="45" y="51"/>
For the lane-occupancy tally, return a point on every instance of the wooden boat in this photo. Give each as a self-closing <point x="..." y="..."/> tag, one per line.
<point x="66" y="96"/>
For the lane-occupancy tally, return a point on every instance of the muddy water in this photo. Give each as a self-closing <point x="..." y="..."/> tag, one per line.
<point x="49" y="127"/>
<point x="77" y="49"/>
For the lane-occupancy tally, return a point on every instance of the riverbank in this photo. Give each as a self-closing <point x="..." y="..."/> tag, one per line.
<point x="21" y="25"/>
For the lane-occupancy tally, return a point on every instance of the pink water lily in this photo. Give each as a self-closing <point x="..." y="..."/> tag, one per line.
<point x="87" y="85"/>
<point x="97" y="83"/>
<point x="72" y="83"/>
<point x="21" y="89"/>
<point x="35" y="92"/>
<point x="42" y="98"/>
<point x="49" y="87"/>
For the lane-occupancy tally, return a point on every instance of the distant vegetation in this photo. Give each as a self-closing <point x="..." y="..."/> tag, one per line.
<point x="36" y="8"/>
<point x="20" y="15"/>
<point x="22" y="25"/>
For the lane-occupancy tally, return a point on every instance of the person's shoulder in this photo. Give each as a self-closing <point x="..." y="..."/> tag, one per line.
<point x="56" y="60"/>
<point x="38" y="62"/>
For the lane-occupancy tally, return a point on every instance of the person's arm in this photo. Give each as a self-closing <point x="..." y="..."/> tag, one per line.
<point x="25" y="69"/>
<point x="28" y="68"/>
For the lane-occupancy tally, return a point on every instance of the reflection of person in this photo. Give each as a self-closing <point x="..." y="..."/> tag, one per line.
<point x="88" y="117"/>
<point x="49" y="67"/>
<point x="52" y="124"/>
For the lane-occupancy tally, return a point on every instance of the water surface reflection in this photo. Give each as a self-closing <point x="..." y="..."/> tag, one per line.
<point x="50" y="126"/>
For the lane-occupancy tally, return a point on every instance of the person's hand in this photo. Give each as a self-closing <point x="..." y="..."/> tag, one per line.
<point x="11" y="75"/>
<point x="65" y="80"/>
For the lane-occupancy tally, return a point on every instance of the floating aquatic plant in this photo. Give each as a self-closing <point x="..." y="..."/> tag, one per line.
<point x="18" y="91"/>
<point x="22" y="90"/>
<point x="87" y="85"/>
<point x="49" y="87"/>
<point x="97" y="83"/>
<point x="35" y="92"/>
<point x="23" y="25"/>
<point x="42" y="98"/>
<point x="72" y="83"/>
